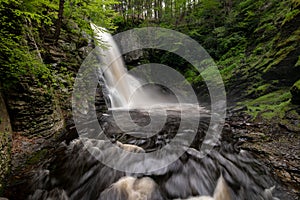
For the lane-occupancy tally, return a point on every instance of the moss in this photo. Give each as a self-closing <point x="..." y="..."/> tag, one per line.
<point x="276" y="111"/>
<point x="280" y="56"/>
<point x="37" y="157"/>
<point x="274" y="97"/>
<point x="258" y="51"/>
<point x="267" y="30"/>
<point x="263" y="87"/>
<point x="294" y="37"/>
<point x="260" y="89"/>
<point x="228" y="71"/>
<point x="269" y="106"/>
<point x="290" y="15"/>
<point x="261" y="62"/>
<point x="298" y="62"/>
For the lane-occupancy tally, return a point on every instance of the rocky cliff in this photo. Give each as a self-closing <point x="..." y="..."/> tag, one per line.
<point x="39" y="108"/>
<point x="5" y="142"/>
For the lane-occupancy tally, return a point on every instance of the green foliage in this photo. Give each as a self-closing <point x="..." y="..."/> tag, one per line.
<point x="22" y="22"/>
<point x="16" y="59"/>
<point x="99" y="12"/>
<point x="40" y="11"/>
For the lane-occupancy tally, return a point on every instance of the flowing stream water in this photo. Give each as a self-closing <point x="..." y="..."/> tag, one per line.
<point x="75" y="172"/>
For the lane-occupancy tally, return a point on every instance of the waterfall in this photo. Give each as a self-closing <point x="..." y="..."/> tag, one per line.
<point x="122" y="87"/>
<point x="124" y="90"/>
<point x="115" y="74"/>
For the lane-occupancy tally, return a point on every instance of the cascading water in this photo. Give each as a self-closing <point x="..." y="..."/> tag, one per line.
<point x="124" y="89"/>
<point x="75" y="173"/>
<point x="119" y="84"/>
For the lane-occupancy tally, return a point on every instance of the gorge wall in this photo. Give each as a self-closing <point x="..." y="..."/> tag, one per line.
<point x="5" y="142"/>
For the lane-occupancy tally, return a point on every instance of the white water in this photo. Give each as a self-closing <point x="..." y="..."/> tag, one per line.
<point x="125" y="91"/>
<point x="119" y="83"/>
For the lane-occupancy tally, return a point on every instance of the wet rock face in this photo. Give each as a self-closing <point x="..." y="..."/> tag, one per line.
<point x="33" y="109"/>
<point x="277" y="147"/>
<point x="39" y="109"/>
<point x="5" y="142"/>
<point x="285" y="71"/>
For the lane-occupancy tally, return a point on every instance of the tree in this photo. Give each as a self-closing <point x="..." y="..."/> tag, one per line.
<point x="59" y="20"/>
<point x="25" y="24"/>
<point x="82" y="12"/>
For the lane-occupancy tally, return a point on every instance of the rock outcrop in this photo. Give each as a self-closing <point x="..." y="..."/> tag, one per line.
<point x="5" y="142"/>
<point x="40" y="108"/>
<point x="33" y="109"/>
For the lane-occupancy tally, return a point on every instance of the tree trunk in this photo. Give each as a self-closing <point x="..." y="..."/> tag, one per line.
<point x="59" y="20"/>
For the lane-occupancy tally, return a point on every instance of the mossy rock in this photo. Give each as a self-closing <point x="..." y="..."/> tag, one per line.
<point x="270" y="106"/>
<point x="295" y="91"/>
<point x="37" y="157"/>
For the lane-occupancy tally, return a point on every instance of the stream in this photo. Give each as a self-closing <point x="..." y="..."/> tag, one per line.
<point x="76" y="171"/>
